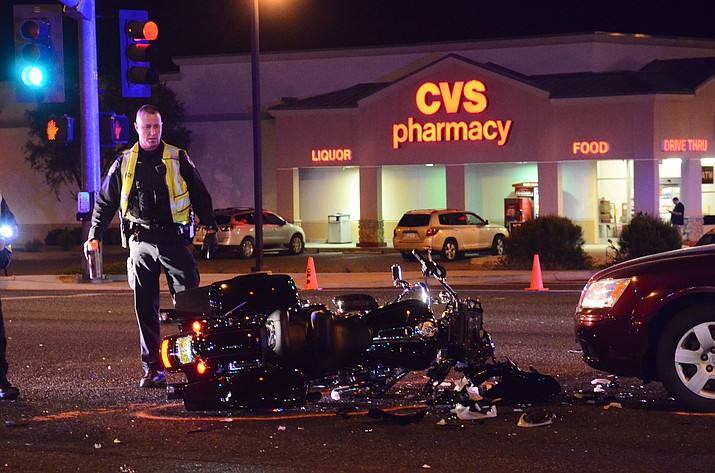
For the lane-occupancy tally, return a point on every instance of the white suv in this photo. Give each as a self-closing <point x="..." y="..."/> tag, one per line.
<point x="451" y="232"/>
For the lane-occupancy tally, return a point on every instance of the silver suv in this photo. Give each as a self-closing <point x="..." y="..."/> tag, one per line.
<point x="451" y="232"/>
<point x="236" y="230"/>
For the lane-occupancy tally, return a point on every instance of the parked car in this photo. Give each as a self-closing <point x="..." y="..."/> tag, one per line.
<point x="706" y="239"/>
<point x="451" y="232"/>
<point x="236" y="231"/>
<point x="654" y="318"/>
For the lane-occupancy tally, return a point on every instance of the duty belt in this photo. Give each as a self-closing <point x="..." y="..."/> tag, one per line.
<point x="161" y="229"/>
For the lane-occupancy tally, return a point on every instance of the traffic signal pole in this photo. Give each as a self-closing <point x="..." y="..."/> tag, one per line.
<point x="84" y="12"/>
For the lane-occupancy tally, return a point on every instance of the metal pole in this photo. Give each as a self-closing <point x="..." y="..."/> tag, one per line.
<point x="257" y="164"/>
<point x="84" y="12"/>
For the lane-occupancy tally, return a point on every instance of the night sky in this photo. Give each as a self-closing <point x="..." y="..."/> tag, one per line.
<point x="209" y="27"/>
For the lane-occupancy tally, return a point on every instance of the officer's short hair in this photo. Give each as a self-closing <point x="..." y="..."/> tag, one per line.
<point x="149" y="109"/>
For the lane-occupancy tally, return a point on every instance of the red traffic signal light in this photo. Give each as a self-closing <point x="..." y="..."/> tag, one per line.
<point x="39" y="53"/>
<point x="60" y="129"/>
<point x="136" y="34"/>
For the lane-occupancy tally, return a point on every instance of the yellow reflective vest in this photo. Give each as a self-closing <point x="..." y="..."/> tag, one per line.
<point x="178" y="190"/>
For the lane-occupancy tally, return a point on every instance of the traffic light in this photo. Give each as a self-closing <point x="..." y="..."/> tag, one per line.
<point x="39" y="53"/>
<point x="113" y="129"/>
<point x="137" y="51"/>
<point x="60" y="129"/>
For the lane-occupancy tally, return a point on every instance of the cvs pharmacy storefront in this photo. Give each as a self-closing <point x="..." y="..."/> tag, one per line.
<point x="459" y="134"/>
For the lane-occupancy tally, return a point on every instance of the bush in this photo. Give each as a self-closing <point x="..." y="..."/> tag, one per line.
<point x="557" y="240"/>
<point x="646" y="235"/>
<point x="63" y="237"/>
<point x="33" y="246"/>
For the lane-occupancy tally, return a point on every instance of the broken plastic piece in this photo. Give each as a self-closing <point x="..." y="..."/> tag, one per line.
<point x="536" y="418"/>
<point x="467" y="413"/>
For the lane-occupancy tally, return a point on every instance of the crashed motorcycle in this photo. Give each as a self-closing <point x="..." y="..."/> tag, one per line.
<point x="252" y="342"/>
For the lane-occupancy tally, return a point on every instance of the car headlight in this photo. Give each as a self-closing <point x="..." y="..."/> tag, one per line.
<point x="603" y="293"/>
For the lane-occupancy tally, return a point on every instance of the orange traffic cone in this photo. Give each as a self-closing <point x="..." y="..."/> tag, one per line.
<point x="311" y="279"/>
<point x="537" y="284"/>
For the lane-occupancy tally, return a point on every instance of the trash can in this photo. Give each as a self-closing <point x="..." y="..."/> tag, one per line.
<point x="339" y="229"/>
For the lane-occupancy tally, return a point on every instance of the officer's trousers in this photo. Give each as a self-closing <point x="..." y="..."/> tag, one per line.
<point x="147" y="261"/>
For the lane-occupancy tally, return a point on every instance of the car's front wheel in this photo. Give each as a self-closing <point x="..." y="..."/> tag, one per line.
<point x="450" y="250"/>
<point x="247" y="248"/>
<point x="686" y="357"/>
<point x="498" y="245"/>
<point x="296" y="245"/>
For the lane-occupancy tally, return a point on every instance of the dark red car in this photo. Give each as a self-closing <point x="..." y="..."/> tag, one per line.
<point x="654" y="318"/>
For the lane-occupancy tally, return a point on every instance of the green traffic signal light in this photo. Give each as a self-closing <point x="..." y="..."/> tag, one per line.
<point x="39" y="54"/>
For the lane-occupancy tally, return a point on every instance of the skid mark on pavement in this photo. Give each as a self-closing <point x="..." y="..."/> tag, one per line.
<point x="53" y="296"/>
<point x="155" y="413"/>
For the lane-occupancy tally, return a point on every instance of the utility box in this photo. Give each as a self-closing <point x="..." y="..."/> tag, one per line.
<point x="339" y="229"/>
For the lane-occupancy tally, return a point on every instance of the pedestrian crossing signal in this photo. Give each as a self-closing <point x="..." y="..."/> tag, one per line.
<point x="60" y="129"/>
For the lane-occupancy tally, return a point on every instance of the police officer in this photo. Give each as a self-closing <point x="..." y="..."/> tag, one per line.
<point x="7" y="390"/>
<point x="156" y="188"/>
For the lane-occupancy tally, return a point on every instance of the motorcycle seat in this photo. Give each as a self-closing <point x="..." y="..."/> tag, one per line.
<point x="337" y="338"/>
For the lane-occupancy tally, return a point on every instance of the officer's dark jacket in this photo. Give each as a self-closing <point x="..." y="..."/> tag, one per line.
<point x="149" y="197"/>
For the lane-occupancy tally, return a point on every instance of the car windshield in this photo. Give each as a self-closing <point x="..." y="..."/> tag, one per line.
<point x="414" y="220"/>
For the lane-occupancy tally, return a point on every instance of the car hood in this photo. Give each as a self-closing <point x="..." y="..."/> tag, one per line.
<point x="681" y="260"/>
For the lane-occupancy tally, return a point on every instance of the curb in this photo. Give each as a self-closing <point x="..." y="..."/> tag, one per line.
<point x="325" y="280"/>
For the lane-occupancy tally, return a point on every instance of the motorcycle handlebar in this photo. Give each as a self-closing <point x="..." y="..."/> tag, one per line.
<point x="430" y="268"/>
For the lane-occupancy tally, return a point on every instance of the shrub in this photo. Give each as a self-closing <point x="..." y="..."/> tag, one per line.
<point x="647" y="234"/>
<point x="33" y="246"/>
<point x="557" y="240"/>
<point x="63" y="237"/>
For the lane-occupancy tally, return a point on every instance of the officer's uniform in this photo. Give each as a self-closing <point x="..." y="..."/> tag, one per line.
<point x="156" y="193"/>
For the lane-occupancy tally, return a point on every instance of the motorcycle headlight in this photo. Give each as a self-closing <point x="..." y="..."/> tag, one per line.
<point x="427" y="329"/>
<point x="5" y="231"/>
<point x="183" y="350"/>
<point x="603" y="293"/>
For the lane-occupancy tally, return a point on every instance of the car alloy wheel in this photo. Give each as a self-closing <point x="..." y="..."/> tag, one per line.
<point x="296" y="245"/>
<point x="247" y="248"/>
<point x="498" y="246"/>
<point x="449" y="250"/>
<point x="686" y="357"/>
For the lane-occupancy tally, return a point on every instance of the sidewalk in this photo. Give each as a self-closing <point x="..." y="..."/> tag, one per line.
<point x="325" y="280"/>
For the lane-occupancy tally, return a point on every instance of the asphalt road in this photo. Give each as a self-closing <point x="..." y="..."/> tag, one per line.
<point x="74" y="355"/>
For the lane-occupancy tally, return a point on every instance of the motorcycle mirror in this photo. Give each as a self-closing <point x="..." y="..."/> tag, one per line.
<point x="440" y="271"/>
<point x="396" y="274"/>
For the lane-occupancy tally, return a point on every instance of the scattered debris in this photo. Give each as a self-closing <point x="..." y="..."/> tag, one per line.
<point x="401" y="419"/>
<point x="536" y="418"/>
<point x="474" y="412"/>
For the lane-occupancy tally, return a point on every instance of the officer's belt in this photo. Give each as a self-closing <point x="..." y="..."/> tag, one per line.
<point x="156" y="227"/>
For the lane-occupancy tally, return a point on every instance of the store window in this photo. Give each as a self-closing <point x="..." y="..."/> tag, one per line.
<point x="615" y="197"/>
<point x="669" y="172"/>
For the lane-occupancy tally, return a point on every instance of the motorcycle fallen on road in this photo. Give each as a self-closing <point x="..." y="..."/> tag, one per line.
<point x="252" y="342"/>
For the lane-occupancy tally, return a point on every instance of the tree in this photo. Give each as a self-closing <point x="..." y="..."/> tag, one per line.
<point x="62" y="165"/>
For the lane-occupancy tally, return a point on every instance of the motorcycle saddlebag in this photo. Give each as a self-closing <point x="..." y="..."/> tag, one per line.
<point x="265" y="387"/>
